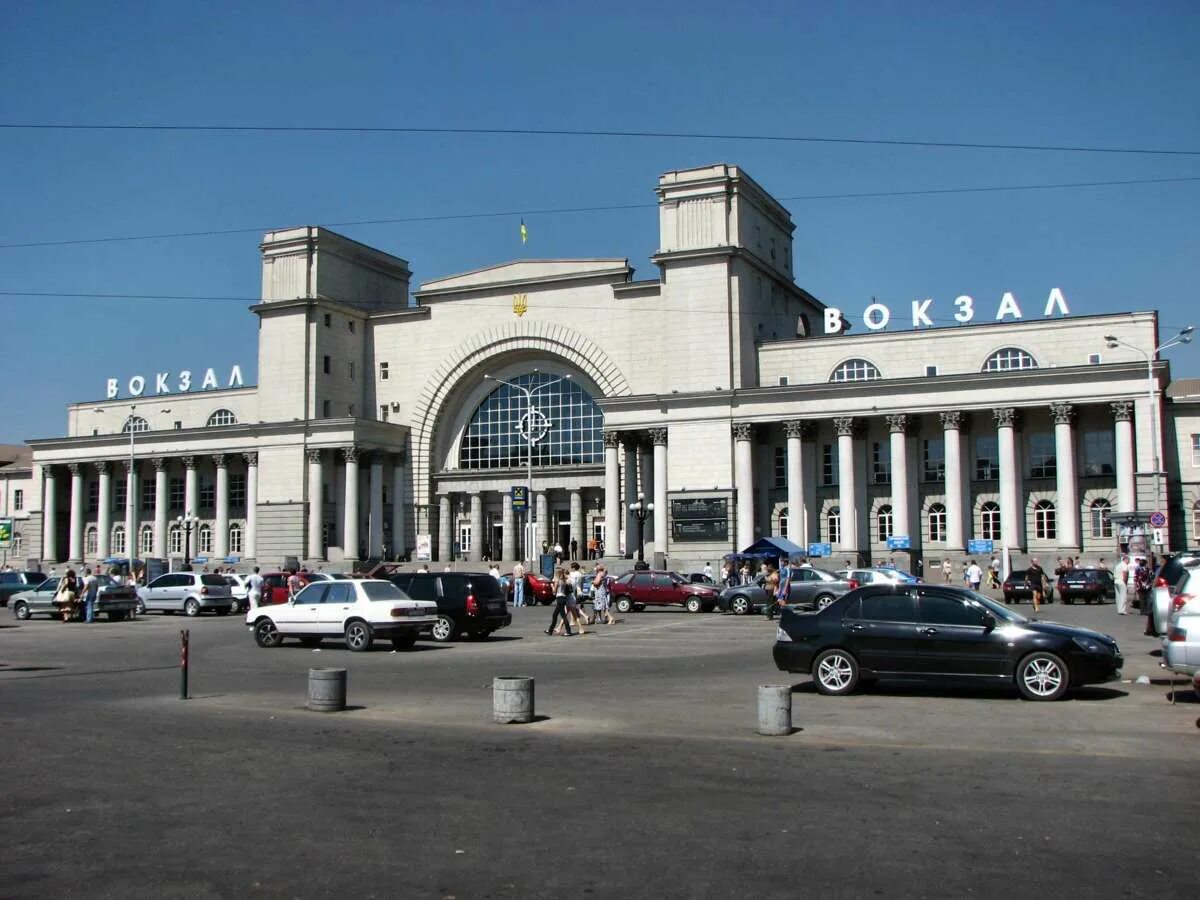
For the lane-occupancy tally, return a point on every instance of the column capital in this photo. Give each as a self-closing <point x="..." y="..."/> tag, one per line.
<point x="102" y="467"/>
<point x="350" y="454"/>
<point x="897" y="423"/>
<point x="612" y="440"/>
<point x="251" y="458"/>
<point x="75" y="468"/>
<point x="743" y="431"/>
<point x="220" y="460"/>
<point x="189" y="462"/>
<point x="1062" y="413"/>
<point x="1005" y="416"/>
<point x="658" y="437"/>
<point x="1122" y="410"/>
<point x="953" y="419"/>
<point x="160" y="463"/>
<point x="844" y="426"/>
<point x="313" y="456"/>
<point x="48" y="472"/>
<point x="129" y="465"/>
<point x="797" y="428"/>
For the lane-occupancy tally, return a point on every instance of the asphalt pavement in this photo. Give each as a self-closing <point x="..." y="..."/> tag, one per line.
<point x="642" y="777"/>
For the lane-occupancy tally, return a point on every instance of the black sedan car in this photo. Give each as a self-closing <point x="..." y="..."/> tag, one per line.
<point x="811" y="588"/>
<point x="945" y="633"/>
<point x="1088" y="585"/>
<point x="1016" y="591"/>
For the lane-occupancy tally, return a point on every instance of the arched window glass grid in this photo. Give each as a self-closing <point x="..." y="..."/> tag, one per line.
<point x="175" y="540"/>
<point x="937" y="522"/>
<point x="989" y="521"/>
<point x="117" y="545"/>
<point x="574" y="436"/>
<point x="91" y="539"/>
<point x="855" y="370"/>
<point x="1044" y="525"/>
<point x="204" y="542"/>
<point x="1008" y="359"/>
<point x="885" y="523"/>
<point x="18" y="543"/>
<point x="136" y="424"/>
<point x="146" y="540"/>
<point x="782" y="529"/>
<point x="236" y="535"/>
<point x="221" y="417"/>
<point x="833" y="524"/>
<point x="1101" y="511"/>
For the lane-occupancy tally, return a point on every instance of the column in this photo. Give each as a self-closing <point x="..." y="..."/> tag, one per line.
<point x="1067" y="511"/>
<point x="793" y="430"/>
<point x="75" y="541"/>
<point x="161" y="506"/>
<point x="1011" y="513"/>
<point x="350" y="527"/>
<point x="476" y="527"/>
<point x="508" y="543"/>
<point x="131" y="520"/>
<point x="104" y="512"/>
<point x="221" y="538"/>
<point x="658" y="437"/>
<point x="313" y="548"/>
<point x="612" y="493"/>
<point x="844" y="428"/>
<point x="543" y="524"/>
<point x="1123" y="445"/>
<point x="901" y="524"/>
<point x="251" y="539"/>
<point x="190" y="491"/>
<point x="445" y="548"/>
<point x="375" y="538"/>
<point x="50" y="516"/>
<point x="399" y="524"/>
<point x="952" y="421"/>
<point x="577" y="529"/>
<point x="631" y="492"/>
<point x="743" y="482"/>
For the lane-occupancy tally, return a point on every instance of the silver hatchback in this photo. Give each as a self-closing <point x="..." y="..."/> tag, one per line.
<point x="187" y="592"/>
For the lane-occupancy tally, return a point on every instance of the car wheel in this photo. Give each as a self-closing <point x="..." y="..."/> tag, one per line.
<point x="1042" y="676"/>
<point x="236" y="607"/>
<point x="310" y="642"/>
<point x="835" y="672"/>
<point x="266" y="634"/>
<point x="21" y="611"/>
<point x="624" y="604"/>
<point x="692" y="604"/>
<point x="444" y="630"/>
<point x="358" y="635"/>
<point x="140" y="608"/>
<point x="191" y="607"/>
<point x="404" y="642"/>
<point x="739" y="606"/>
<point x="824" y="600"/>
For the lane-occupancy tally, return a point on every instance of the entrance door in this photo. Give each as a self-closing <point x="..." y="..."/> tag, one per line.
<point x="563" y="531"/>
<point x="497" y="547"/>
<point x="464" y="538"/>
<point x="598" y="533"/>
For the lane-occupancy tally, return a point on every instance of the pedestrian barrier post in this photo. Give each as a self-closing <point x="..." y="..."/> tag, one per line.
<point x="184" y="637"/>
<point x="327" y="690"/>
<point x="774" y="709"/>
<point x="512" y="699"/>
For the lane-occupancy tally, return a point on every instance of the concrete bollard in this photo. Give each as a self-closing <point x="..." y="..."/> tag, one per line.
<point x="774" y="709"/>
<point x="327" y="690"/>
<point x="512" y="699"/>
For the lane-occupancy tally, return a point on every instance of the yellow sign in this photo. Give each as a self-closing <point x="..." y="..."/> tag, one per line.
<point x="520" y="304"/>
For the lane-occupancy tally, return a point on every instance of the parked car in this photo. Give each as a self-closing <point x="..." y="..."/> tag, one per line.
<point x="881" y="575"/>
<point x="1181" y="644"/>
<point x="467" y="602"/>
<point x="697" y="578"/>
<point x="1168" y="584"/>
<point x="1089" y="585"/>
<point x="1015" y="591"/>
<point x="812" y="588"/>
<point x="115" y="600"/>
<point x="15" y="582"/>
<point x="187" y="592"/>
<point x="538" y="590"/>
<point x="639" y="589"/>
<point x="357" y="611"/>
<point x="239" y="588"/>
<point x="939" y="632"/>
<point x="325" y="576"/>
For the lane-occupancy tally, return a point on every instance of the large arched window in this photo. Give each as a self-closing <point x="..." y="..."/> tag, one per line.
<point x="884" y="519"/>
<point x="989" y="521"/>
<point x="91" y="539"/>
<point x="782" y="529"/>
<point x="221" y="417"/>
<point x="855" y="370"/>
<point x="175" y="540"/>
<point x="1101" y="518"/>
<point x="135" y="424"/>
<point x="118" y="540"/>
<point x="566" y="425"/>
<point x="146" y="540"/>
<point x="834" y="521"/>
<point x="235" y="537"/>
<point x="204" y="543"/>
<point x="937" y="522"/>
<point x="1044" y="525"/>
<point x="1009" y="359"/>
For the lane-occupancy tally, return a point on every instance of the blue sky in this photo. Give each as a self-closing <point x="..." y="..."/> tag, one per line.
<point x="1095" y="73"/>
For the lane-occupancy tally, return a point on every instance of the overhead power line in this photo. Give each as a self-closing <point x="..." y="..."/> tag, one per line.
<point x="861" y="195"/>
<point x="581" y="132"/>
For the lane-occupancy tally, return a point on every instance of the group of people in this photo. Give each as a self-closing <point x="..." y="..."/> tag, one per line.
<point x="568" y="600"/>
<point x="75" y="597"/>
<point x="1136" y="574"/>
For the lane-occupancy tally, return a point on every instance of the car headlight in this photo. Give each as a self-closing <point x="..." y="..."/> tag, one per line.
<point x="1089" y="645"/>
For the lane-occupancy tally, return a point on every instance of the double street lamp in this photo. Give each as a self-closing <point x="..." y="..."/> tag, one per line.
<point x="533" y="426"/>
<point x="641" y="511"/>
<point x="187" y="523"/>
<point x="1183" y="337"/>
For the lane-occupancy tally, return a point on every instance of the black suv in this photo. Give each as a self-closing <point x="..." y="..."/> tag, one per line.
<point x="468" y="602"/>
<point x="1089" y="585"/>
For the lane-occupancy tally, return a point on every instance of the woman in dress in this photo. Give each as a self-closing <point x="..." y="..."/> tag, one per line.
<point x="600" y="596"/>
<point x="561" y="585"/>
<point x="67" y="594"/>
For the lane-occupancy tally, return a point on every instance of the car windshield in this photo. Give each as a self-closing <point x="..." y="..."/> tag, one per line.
<point x="677" y="578"/>
<point x="213" y="580"/>
<point x="999" y="610"/>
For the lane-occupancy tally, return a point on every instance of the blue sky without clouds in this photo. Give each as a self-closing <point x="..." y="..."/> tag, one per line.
<point x="1094" y="73"/>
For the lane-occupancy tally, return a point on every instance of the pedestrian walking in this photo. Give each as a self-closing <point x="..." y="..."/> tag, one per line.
<point x="946" y="570"/>
<point x="574" y="549"/>
<point x="1145" y="588"/>
<point x="974" y="576"/>
<point x="602" y="595"/>
<point x="294" y="584"/>
<point x="67" y="594"/>
<point x="518" y="584"/>
<point x="783" y="589"/>
<point x="771" y="588"/>
<point x="91" y="587"/>
<point x="561" y="585"/>
<point x="708" y="570"/>
<point x="558" y="553"/>
<point x="254" y="586"/>
<point x="1035" y="580"/>
<point x="1121" y="586"/>
<point x="994" y="572"/>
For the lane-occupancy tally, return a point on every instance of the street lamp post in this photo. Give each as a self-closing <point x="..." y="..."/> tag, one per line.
<point x="1184" y="337"/>
<point x="528" y="429"/>
<point x="641" y="511"/>
<point x="187" y="523"/>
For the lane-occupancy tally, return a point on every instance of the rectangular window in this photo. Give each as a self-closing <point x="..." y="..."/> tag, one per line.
<point x="783" y="381"/>
<point x="881" y="463"/>
<point x="176" y="493"/>
<point x="178" y="425"/>
<point x="987" y="458"/>
<point x="328" y="320"/>
<point x="147" y="493"/>
<point x="780" y="467"/>
<point x="94" y="496"/>
<point x="350" y="367"/>
<point x="237" y="489"/>
<point x="383" y="412"/>
<point x="325" y="364"/>
<point x="931" y="371"/>
<point x="119" y="491"/>
<point x="1043" y="463"/>
<point x="325" y="408"/>
<point x="1093" y="359"/>
<point x="1196" y="449"/>
<point x="383" y="371"/>
<point x="933" y="454"/>
<point x="1099" y="454"/>
<point x="18" y="500"/>
<point x="829" y="464"/>
<point x="208" y="495"/>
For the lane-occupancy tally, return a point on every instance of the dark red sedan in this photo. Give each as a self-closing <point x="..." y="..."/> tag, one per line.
<point x="637" y="590"/>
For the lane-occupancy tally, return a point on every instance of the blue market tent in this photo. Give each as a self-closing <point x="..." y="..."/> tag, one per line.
<point x="773" y="548"/>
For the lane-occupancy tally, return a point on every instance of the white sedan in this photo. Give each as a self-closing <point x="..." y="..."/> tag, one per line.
<point x="358" y="611"/>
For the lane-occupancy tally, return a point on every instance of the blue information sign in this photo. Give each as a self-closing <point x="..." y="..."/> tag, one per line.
<point x="979" y="546"/>
<point x="520" y="496"/>
<point x="820" y="550"/>
<point x="899" y="542"/>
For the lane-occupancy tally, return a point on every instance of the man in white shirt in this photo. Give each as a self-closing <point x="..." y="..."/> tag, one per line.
<point x="708" y="570"/>
<point x="518" y="585"/>
<point x="1121" y="578"/>
<point x="974" y="575"/>
<point x="254" y="588"/>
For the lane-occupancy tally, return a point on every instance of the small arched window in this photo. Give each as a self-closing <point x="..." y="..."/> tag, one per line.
<point x="855" y="370"/>
<point x="937" y="522"/>
<point x="235" y="537"/>
<point x="885" y="522"/>
<point x="1044" y="525"/>
<point x="989" y="521"/>
<point x="146" y="540"/>
<point x="1101" y="518"/>
<point x="221" y="417"/>
<point x="834" y="522"/>
<point x="91" y="539"/>
<point x="782" y="530"/>
<point x="1009" y="359"/>
<point x="135" y="424"/>
<point x="118" y="540"/>
<point x="175" y="540"/>
<point x="18" y="543"/>
<point x="204" y="542"/>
